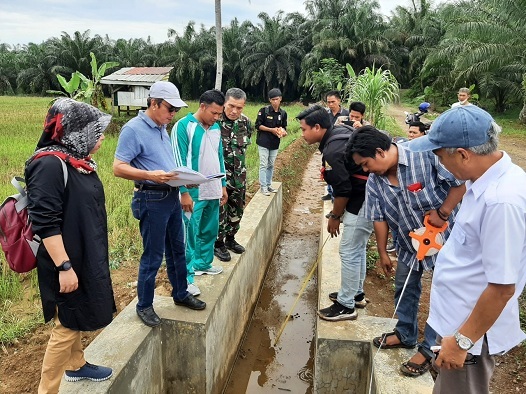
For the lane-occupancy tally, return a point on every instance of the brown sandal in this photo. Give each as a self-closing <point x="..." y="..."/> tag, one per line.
<point x="413" y="369"/>
<point x="381" y="342"/>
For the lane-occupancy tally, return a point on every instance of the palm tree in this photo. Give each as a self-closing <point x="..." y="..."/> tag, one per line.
<point x="8" y="69"/>
<point x="73" y="52"/>
<point x="234" y="44"/>
<point x="485" y="44"/>
<point x="273" y="57"/>
<point x="193" y="58"/>
<point x="351" y="31"/>
<point x="38" y="69"/>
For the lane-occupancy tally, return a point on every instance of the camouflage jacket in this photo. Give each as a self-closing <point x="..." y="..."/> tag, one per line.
<point x="236" y="138"/>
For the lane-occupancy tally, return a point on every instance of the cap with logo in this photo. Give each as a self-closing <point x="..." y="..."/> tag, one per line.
<point x="460" y="127"/>
<point x="168" y="92"/>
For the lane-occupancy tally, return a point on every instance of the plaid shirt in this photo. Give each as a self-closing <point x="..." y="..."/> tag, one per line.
<point x="403" y="209"/>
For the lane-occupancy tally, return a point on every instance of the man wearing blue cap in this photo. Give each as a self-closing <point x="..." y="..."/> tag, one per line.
<point x="144" y="155"/>
<point x="481" y="270"/>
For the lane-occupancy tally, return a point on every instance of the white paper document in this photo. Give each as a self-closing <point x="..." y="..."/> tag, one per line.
<point x="188" y="176"/>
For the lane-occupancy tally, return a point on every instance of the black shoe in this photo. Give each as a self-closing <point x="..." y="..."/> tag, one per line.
<point x="191" y="302"/>
<point x="359" y="300"/>
<point x="234" y="246"/>
<point x="149" y="317"/>
<point x="337" y="312"/>
<point x="327" y="197"/>
<point x="222" y="254"/>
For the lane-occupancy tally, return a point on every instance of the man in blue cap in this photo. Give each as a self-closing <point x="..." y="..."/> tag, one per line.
<point x="481" y="270"/>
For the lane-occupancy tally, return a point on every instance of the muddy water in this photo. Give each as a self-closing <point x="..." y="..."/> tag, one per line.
<point x="262" y="365"/>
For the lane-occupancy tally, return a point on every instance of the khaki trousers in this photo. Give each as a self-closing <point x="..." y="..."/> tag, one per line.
<point x="64" y="351"/>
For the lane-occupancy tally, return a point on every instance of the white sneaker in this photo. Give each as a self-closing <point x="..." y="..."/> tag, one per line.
<point x="272" y="190"/>
<point x="265" y="191"/>
<point x="209" y="271"/>
<point x="193" y="289"/>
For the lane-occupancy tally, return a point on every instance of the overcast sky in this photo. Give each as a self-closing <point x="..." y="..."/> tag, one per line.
<point x="24" y="21"/>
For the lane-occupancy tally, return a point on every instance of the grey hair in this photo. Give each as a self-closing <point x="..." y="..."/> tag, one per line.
<point x="465" y="90"/>
<point x="486" y="148"/>
<point x="236" y="94"/>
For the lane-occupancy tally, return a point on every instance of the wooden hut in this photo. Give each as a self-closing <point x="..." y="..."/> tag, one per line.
<point x="129" y="86"/>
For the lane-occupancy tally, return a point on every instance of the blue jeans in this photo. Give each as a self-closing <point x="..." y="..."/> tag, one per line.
<point x="267" y="158"/>
<point x="353" y="247"/>
<point x="161" y="224"/>
<point x="407" y="312"/>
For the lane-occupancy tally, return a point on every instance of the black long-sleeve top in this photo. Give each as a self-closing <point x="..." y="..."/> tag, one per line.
<point x="77" y="211"/>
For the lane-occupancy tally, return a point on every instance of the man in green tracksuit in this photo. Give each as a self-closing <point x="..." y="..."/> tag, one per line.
<point x="196" y="144"/>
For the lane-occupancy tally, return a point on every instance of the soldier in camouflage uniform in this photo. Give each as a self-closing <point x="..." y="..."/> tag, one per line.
<point x="236" y="130"/>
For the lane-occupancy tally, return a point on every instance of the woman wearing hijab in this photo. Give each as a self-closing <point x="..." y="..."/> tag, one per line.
<point x="70" y="218"/>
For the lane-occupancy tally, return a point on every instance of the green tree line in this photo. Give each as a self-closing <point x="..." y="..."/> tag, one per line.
<point x="427" y="48"/>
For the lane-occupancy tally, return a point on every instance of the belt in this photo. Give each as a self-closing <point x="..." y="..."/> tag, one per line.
<point x="147" y="186"/>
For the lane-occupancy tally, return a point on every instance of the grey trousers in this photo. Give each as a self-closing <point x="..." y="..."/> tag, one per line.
<point x="472" y="378"/>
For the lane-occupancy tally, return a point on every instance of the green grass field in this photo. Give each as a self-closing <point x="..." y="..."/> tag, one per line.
<point x="21" y="123"/>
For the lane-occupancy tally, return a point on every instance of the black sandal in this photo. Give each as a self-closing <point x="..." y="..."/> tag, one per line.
<point x="381" y="341"/>
<point x="413" y="370"/>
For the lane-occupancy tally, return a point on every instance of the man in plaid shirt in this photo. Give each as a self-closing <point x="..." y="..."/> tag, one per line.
<point x="403" y="187"/>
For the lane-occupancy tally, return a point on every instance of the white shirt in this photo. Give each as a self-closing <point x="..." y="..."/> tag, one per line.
<point x="487" y="245"/>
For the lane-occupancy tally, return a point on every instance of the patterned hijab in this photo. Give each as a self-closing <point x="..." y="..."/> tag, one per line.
<point x="71" y="131"/>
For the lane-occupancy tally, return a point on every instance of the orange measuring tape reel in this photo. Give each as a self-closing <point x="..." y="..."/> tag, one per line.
<point x="427" y="240"/>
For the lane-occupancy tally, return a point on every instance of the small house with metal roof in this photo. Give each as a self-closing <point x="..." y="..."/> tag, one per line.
<point x="130" y="86"/>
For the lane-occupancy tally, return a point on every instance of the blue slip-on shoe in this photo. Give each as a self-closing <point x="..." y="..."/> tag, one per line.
<point x="89" y="371"/>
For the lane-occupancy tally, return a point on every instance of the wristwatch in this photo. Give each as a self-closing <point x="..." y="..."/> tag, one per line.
<point x="65" y="266"/>
<point x="333" y="216"/>
<point x="463" y="341"/>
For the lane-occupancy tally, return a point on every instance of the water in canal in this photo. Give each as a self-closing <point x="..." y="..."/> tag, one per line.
<point x="262" y="366"/>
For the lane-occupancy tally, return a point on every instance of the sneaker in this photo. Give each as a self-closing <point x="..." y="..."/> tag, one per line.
<point x="390" y="247"/>
<point x="209" y="271"/>
<point x="222" y="253"/>
<point x="359" y="300"/>
<point x="265" y="191"/>
<point x="234" y="246"/>
<point x="272" y="190"/>
<point x="337" y="312"/>
<point x="326" y="197"/>
<point x="89" y="371"/>
<point x="193" y="289"/>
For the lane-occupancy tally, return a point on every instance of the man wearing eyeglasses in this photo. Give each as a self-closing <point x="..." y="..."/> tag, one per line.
<point x="144" y="155"/>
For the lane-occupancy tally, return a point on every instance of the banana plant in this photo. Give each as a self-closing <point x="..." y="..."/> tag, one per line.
<point x="82" y="88"/>
<point x="70" y="86"/>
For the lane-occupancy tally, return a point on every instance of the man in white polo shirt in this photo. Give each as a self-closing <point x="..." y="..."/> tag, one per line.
<point x="481" y="270"/>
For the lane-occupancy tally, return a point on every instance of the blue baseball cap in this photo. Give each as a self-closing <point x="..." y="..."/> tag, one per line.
<point x="464" y="126"/>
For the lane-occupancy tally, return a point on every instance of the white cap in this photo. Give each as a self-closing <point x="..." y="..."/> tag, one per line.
<point x="168" y="92"/>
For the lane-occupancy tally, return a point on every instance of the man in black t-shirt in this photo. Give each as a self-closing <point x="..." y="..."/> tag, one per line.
<point x="348" y="183"/>
<point x="271" y="125"/>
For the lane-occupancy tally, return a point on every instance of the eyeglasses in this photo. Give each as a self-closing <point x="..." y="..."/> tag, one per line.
<point x="171" y="108"/>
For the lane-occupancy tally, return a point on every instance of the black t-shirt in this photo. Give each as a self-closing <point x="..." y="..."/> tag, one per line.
<point x="347" y="179"/>
<point x="270" y="118"/>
